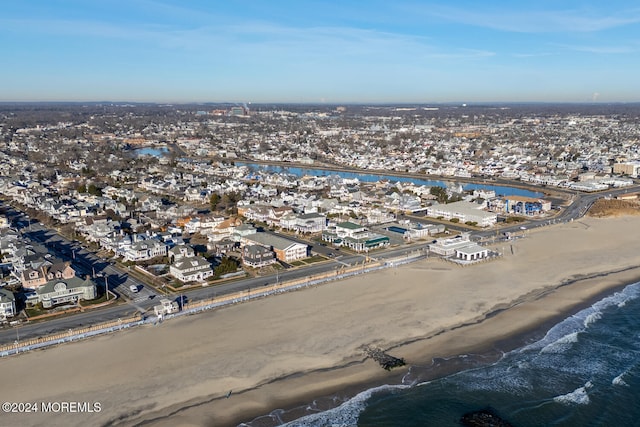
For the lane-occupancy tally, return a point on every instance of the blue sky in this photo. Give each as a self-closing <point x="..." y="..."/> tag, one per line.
<point x="320" y="51"/>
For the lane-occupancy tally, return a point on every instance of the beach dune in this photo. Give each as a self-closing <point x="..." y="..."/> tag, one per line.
<point x="231" y="365"/>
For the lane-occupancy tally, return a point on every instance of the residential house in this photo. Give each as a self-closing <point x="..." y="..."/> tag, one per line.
<point x="221" y="247"/>
<point x="276" y="214"/>
<point x="59" y="291"/>
<point x="96" y="230"/>
<point x="224" y="230"/>
<point x="7" y="304"/>
<point x="145" y="250"/>
<point x="34" y="277"/>
<point x="191" y="269"/>
<point x="243" y="230"/>
<point x="286" y="250"/>
<point x="304" y="223"/>
<point x="257" y="256"/>
<point x="354" y="236"/>
<point x="180" y="252"/>
<point x="255" y="212"/>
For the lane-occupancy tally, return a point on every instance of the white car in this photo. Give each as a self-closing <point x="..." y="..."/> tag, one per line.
<point x="133" y="288"/>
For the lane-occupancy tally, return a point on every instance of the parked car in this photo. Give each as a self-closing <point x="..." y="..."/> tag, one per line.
<point x="133" y="288"/>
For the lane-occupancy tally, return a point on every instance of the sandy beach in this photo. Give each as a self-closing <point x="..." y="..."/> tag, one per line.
<point x="285" y="351"/>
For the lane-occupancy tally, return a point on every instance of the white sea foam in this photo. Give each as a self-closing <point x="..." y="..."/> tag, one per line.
<point x="345" y="415"/>
<point x="619" y="381"/>
<point x="578" y="396"/>
<point x="561" y="345"/>
<point x="411" y="382"/>
<point x="592" y="318"/>
<point x="585" y="318"/>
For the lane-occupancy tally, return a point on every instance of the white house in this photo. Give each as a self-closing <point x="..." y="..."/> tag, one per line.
<point x="191" y="269"/>
<point x="145" y="250"/>
<point x="7" y="304"/>
<point x="61" y="291"/>
<point x="304" y="223"/>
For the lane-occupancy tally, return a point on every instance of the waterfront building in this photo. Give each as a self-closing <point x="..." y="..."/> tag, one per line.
<point x="286" y="250"/>
<point x="526" y="205"/>
<point x="354" y="236"/>
<point x="7" y="304"/>
<point x="627" y="168"/>
<point x="57" y="291"/>
<point x="257" y="256"/>
<point x="191" y="269"/>
<point x="459" y="248"/>
<point x="464" y="212"/>
<point x="35" y="277"/>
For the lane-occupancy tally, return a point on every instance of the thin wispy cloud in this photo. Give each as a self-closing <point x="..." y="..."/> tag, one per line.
<point x="258" y="38"/>
<point x="407" y="49"/>
<point x="601" y="50"/>
<point x="534" y="21"/>
<point x="532" y="55"/>
<point x="78" y="28"/>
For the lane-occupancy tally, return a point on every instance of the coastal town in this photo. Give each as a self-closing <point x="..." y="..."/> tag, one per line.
<point x="106" y="203"/>
<point x="313" y="214"/>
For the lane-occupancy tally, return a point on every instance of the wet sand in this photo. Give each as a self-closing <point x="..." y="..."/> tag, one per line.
<point x="286" y="351"/>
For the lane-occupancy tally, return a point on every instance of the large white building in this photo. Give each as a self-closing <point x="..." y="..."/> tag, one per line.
<point x="286" y="250"/>
<point x="459" y="247"/>
<point x="628" y="168"/>
<point x="464" y="212"/>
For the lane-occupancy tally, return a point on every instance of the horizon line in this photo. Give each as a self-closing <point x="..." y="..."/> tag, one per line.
<point x="358" y="103"/>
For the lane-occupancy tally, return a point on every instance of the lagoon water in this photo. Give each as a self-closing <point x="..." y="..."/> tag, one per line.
<point x="149" y="151"/>
<point x="584" y="372"/>
<point x="366" y="177"/>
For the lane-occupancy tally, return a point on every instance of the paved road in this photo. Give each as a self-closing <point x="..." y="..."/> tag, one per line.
<point x="119" y="281"/>
<point x="86" y="263"/>
<point x="29" y="330"/>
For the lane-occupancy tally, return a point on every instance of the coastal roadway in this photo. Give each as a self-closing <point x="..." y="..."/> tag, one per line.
<point x="581" y="203"/>
<point x="119" y="280"/>
<point x="122" y="310"/>
<point x="87" y="263"/>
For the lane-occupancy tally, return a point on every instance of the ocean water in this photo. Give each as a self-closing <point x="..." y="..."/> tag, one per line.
<point x="584" y="372"/>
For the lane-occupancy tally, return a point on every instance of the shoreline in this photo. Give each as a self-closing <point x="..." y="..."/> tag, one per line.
<point x="481" y="352"/>
<point x="287" y="351"/>
<point x="476" y="355"/>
